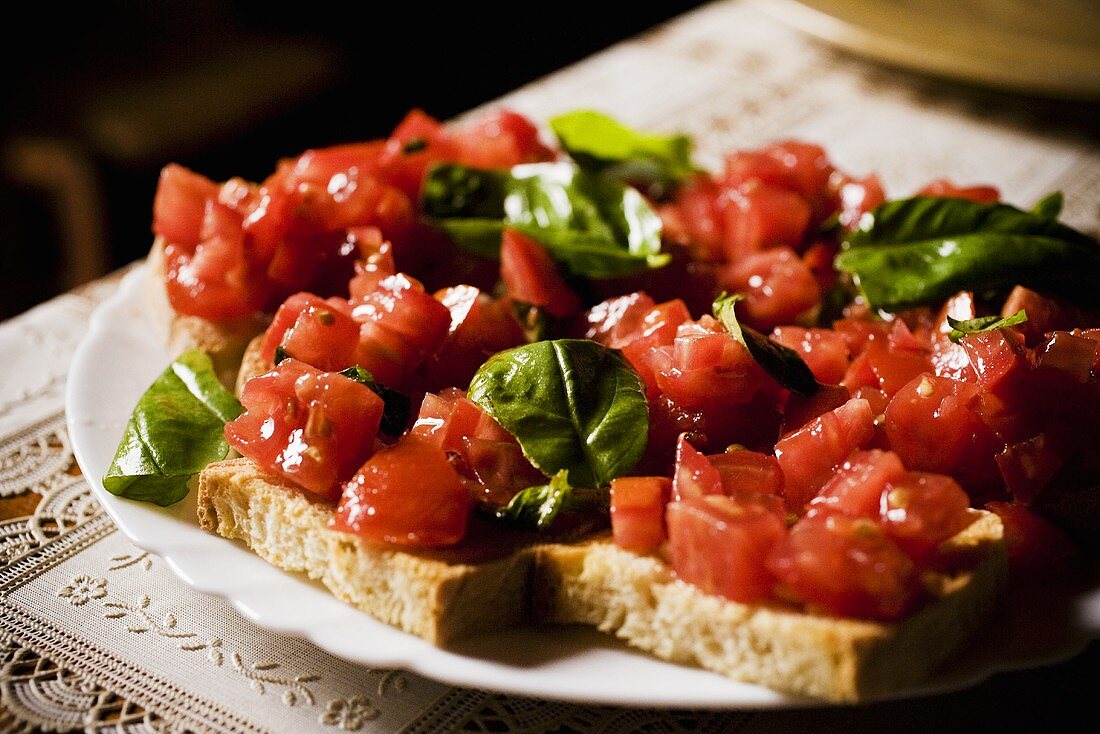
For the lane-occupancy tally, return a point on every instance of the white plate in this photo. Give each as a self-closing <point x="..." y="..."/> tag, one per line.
<point x="120" y="357"/>
<point x="1050" y="47"/>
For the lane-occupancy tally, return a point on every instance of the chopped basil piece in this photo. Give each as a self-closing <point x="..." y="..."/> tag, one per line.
<point x="396" y="405"/>
<point x="781" y="363"/>
<point x="960" y="329"/>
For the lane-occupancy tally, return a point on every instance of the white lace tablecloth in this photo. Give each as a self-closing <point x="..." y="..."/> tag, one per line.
<point x="96" y="635"/>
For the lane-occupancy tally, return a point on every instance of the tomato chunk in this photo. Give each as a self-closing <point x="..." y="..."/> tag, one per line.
<point x="921" y="510"/>
<point x="845" y="566"/>
<point x="856" y="488"/>
<point x="720" y="544"/>
<point x="638" y="512"/>
<point x="312" y="427"/>
<point x="532" y="277"/>
<point x="407" y="494"/>
<point x="776" y="284"/>
<point x="931" y="422"/>
<point x="810" y="455"/>
<point x="1036" y="548"/>
<point x="825" y="352"/>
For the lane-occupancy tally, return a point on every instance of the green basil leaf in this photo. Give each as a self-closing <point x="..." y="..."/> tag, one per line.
<point x="536" y="507"/>
<point x="595" y="226"/>
<point x="396" y="406"/>
<point x="176" y="429"/>
<point x="571" y="403"/>
<point x="280" y="354"/>
<point x="1050" y="206"/>
<point x="783" y="364"/>
<point x="960" y="329"/>
<point x="920" y="251"/>
<point x="414" y="146"/>
<point x="655" y="163"/>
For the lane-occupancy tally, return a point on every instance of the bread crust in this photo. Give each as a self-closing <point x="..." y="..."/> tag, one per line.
<point x="224" y="341"/>
<point x="637" y="599"/>
<point x="495" y="580"/>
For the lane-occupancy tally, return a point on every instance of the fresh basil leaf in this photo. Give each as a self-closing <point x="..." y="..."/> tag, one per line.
<point x="1050" y="206"/>
<point x="783" y="364"/>
<point x="960" y="329"/>
<point x="571" y="403"/>
<point x="280" y="354"/>
<point x="655" y="163"/>
<point x="536" y="507"/>
<point x="396" y="406"/>
<point x="595" y="226"/>
<point x="920" y="251"/>
<point x="176" y="429"/>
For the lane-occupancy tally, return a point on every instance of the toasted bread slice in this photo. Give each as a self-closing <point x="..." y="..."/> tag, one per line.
<point x="638" y="599"/>
<point x="438" y="594"/>
<point x="252" y="363"/>
<point x="224" y="341"/>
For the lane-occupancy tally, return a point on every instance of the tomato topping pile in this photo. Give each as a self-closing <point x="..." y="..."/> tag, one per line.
<point x="832" y="496"/>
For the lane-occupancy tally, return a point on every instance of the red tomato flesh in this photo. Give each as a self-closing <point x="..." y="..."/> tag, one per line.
<point x="720" y="545"/>
<point x="406" y="494"/>
<point x="638" y="512"/>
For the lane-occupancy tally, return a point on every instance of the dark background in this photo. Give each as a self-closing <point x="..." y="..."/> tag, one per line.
<point x="101" y="96"/>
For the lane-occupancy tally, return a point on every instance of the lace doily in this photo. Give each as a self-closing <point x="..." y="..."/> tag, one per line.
<point x="98" y="636"/>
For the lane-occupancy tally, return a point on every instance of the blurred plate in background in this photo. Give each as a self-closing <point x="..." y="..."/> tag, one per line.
<point x="1047" y="47"/>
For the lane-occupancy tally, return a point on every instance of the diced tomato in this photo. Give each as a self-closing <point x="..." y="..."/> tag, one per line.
<point x="401" y="325"/>
<point x="1044" y="314"/>
<point x="856" y="488"/>
<point x="694" y="476"/>
<point x="777" y="286"/>
<point x="480" y="327"/>
<point x="693" y="218"/>
<point x="617" y="321"/>
<point x="845" y="566"/>
<point x="1037" y="549"/>
<point x="921" y="510"/>
<point x="801" y="410"/>
<point x="758" y="216"/>
<point x="407" y="494"/>
<point x="996" y="357"/>
<point x="179" y="206"/>
<point x="1072" y="356"/>
<point x="486" y="456"/>
<point x="948" y="358"/>
<point x="500" y="140"/>
<point x="861" y="333"/>
<point x="532" y="277"/>
<point x="709" y="370"/>
<point x="807" y="165"/>
<point x="214" y="280"/>
<point x="719" y="544"/>
<point x="932" y="423"/>
<point x="894" y="367"/>
<point x="1027" y="466"/>
<point x="825" y="352"/>
<point x="375" y="262"/>
<point x="744" y="471"/>
<point x="324" y="335"/>
<point x="810" y="455"/>
<point x="312" y="427"/>
<point x="857" y="197"/>
<point x="944" y="187"/>
<point x="638" y="512"/>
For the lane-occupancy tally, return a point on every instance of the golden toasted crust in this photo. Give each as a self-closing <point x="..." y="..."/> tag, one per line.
<point x="224" y="341"/>
<point x="637" y="599"/>
<point x="495" y="580"/>
<point x="438" y="595"/>
<point x="252" y="363"/>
